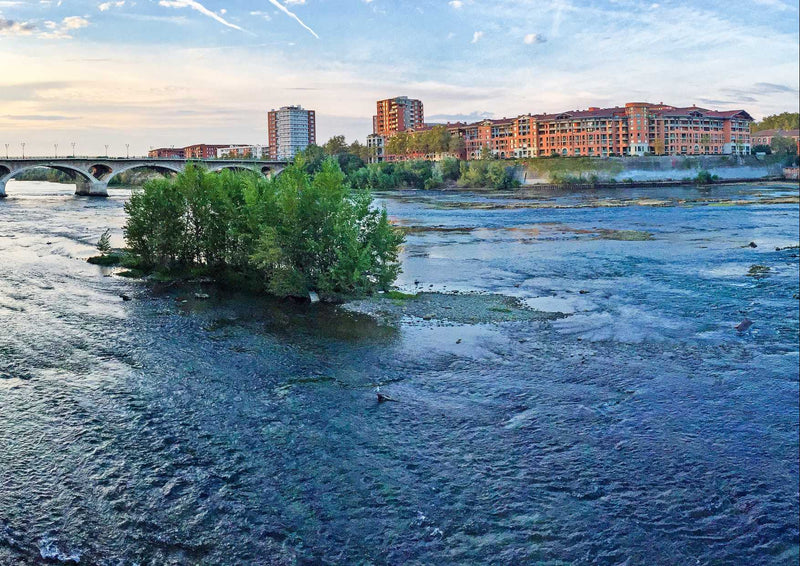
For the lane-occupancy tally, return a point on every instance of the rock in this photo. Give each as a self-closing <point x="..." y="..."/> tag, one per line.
<point x="427" y="317"/>
<point x="753" y="245"/>
<point x="201" y="296"/>
<point x="458" y="341"/>
<point x="744" y="325"/>
<point x="124" y="297"/>
<point x="313" y="297"/>
<point x="583" y="291"/>
<point x="383" y="398"/>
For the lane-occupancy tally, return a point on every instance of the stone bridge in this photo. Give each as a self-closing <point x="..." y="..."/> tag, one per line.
<point x="91" y="176"/>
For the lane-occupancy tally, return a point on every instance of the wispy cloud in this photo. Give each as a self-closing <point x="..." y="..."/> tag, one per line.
<point x="197" y="6"/>
<point x="476" y="37"/>
<point x="105" y="6"/>
<point x="291" y="14"/>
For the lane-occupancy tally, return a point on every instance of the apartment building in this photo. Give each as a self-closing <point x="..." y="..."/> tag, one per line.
<point x="764" y="137"/>
<point x="638" y="128"/>
<point x="290" y="130"/>
<point x="243" y="151"/>
<point x="166" y="153"/>
<point x="397" y="114"/>
<point x="202" y="151"/>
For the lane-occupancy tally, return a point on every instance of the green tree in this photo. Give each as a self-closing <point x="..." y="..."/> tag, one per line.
<point x="782" y="121"/>
<point x="335" y="146"/>
<point x="783" y="145"/>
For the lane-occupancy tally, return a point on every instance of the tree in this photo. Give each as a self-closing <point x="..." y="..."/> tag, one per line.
<point x="782" y="121"/>
<point x="784" y="145"/>
<point x="362" y="151"/>
<point x="456" y="145"/>
<point x="335" y="146"/>
<point x="312" y="157"/>
<point x="705" y="142"/>
<point x="398" y="144"/>
<point x="659" y="146"/>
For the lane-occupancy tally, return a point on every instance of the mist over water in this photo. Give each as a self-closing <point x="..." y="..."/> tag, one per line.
<point x="641" y="428"/>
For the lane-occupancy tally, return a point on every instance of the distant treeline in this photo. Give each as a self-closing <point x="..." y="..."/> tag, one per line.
<point x="411" y="174"/>
<point x="782" y="121"/>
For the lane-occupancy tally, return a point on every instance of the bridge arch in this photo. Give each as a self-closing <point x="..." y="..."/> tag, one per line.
<point x="73" y="173"/>
<point x="165" y="170"/>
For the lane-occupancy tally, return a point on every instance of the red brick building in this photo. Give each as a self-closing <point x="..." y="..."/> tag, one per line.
<point x="166" y="153"/>
<point x="396" y="115"/>
<point x="638" y="128"/>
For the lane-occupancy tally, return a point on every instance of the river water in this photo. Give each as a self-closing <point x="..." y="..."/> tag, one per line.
<point x="638" y="428"/>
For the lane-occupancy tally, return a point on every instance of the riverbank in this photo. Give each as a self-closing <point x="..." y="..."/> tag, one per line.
<point x="651" y="170"/>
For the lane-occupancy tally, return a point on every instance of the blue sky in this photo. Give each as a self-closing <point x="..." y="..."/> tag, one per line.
<point x="173" y="72"/>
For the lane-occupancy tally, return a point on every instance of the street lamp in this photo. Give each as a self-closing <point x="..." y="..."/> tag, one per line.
<point x="55" y="146"/>
<point x="127" y="151"/>
<point x="6" y="151"/>
<point x="73" y="150"/>
<point x="23" y="150"/>
<point x="106" y="150"/>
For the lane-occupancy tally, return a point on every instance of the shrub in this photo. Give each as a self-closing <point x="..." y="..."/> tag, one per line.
<point x="104" y="243"/>
<point x="292" y="234"/>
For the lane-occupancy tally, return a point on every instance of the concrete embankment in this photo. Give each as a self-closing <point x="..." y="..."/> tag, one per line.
<point x="652" y="169"/>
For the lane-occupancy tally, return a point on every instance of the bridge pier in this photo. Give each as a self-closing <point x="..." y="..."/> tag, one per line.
<point x="91" y="189"/>
<point x="2" y="189"/>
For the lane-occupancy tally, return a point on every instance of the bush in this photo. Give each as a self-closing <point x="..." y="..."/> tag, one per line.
<point x="292" y="234"/>
<point x="705" y="178"/>
<point x="104" y="243"/>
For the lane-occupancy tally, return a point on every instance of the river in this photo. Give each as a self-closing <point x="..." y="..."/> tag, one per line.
<point x="636" y="427"/>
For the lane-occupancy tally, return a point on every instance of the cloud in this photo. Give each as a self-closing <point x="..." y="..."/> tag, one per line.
<point x="197" y="6"/>
<point x="456" y="4"/>
<point x="11" y="27"/>
<point x="286" y="11"/>
<point x="63" y="29"/>
<point x="470" y="117"/>
<point x="476" y="37"/>
<point x="260" y="14"/>
<point x="532" y="38"/>
<point x="105" y="6"/>
<point x="38" y="117"/>
<point x="777" y="4"/>
<point x="290" y="2"/>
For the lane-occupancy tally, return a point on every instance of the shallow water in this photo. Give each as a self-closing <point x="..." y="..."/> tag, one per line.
<point x="640" y="429"/>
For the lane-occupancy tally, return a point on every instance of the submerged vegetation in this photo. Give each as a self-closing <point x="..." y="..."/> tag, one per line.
<point x="286" y="236"/>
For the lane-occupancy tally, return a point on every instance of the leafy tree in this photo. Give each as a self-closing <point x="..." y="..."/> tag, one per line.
<point x="456" y="144"/>
<point x="761" y="148"/>
<point x="335" y="146"/>
<point x="659" y="146"/>
<point x="782" y="121"/>
<point x="398" y="144"/>
<point x="449" y="168"/>
<point x="781" y="144"/>
<point x="312" y="158"/>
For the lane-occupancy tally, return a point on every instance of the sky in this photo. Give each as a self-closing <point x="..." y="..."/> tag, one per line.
<point x="160" y="73"/>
